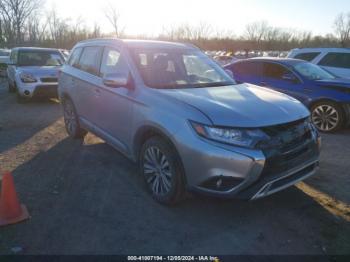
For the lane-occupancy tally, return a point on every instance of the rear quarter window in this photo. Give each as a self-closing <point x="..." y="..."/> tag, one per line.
<point x="307" y="56"/>
<point x="272" y="70"/>
<point x="74" y="58"/>
<point x="339" y="60"/>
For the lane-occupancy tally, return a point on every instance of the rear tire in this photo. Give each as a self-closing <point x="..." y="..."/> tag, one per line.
<point x="71" y="120"/>
<point x="327" y="116"/>
<point x="162" y="169"/>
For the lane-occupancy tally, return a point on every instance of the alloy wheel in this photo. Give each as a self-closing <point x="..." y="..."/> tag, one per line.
<point x="325" y="117"/>
<point x="69" y="117"/>
<point x="157" y="171"/>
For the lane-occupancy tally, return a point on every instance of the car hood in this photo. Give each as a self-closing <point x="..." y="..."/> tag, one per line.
<point x="338" y="82"/>
<point x="242" y="105"/>
<point x="40" y="71"/>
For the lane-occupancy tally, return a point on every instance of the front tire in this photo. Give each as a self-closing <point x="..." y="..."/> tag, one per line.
<point x="162" y="170"/>
<point x="327" y="116"/>
<point x="71" y="120"/>
<point x="20" y="99"/>
<point x="11" y="88"/>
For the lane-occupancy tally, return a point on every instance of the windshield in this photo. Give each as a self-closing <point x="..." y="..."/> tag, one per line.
<point x="40" y="58"/>
<point x="4" y="53"/>
<point x="183" y="68"/>
<point x="313" y="72"/>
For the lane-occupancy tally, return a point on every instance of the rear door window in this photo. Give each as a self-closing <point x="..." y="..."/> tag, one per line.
<point x="339" y="60"/>
<point x="90" y="60"/>
<point x="307" y="56"/>
<point x="275" y="71"/>
<point x="112" y="62"/>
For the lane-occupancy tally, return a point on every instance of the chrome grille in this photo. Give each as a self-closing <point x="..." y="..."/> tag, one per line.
<point x="49" y="79"/>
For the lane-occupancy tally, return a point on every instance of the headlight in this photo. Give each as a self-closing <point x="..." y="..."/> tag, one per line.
<point x="314" y="131"/>
<point x="27" y="78"/>
<point x="243" y="137"/>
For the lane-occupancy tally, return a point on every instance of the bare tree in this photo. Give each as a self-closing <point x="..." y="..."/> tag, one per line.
<point x="113" y="17"/>
<point x="58" y="28"/>
<point x="16" y="12"/>
<point x="96" y="32"/>
<point x="342" y="28"/>
<point x="186" y="32"/>
<point x="202" y="31"/>
<point x="36" y="29"/>
<point x="256" y="31"/>
<point x="177" y="32"/>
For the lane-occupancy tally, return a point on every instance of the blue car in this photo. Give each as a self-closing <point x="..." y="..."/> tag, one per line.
<point x="327" y="96"/>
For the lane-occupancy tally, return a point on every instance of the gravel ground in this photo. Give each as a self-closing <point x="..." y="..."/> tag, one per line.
<point x="86" y="198"/>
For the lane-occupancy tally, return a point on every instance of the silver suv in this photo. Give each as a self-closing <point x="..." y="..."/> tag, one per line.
<point x="185" y="121"/>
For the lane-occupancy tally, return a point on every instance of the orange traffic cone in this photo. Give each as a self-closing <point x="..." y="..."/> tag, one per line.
<point x="11" y="211"/>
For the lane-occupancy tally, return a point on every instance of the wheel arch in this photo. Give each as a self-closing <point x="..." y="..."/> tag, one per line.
<point x="146" y="132"/>
<point x="64" y="96"/>
<point x="345" y="110"/>
<point x="315" y="102"/>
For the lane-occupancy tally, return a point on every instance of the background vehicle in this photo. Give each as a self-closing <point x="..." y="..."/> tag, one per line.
<point x="223" y="59"/>
<point x="334" y="60"/>
<point x="33" y="72"/>
<point x="65" y="53"/>
<point x="327" y="96"/>
<point x="4" y="60"/>
<point x="178" y="114"/>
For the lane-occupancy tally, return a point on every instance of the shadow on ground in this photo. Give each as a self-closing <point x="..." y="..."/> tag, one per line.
<point x="19" y="122"/>
<point x="333" y="177"/>
<point x="89" y="199"/>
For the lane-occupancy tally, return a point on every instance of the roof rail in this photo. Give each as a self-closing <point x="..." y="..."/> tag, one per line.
<point x="191" y="45"/>
<point x="100" y="39"/>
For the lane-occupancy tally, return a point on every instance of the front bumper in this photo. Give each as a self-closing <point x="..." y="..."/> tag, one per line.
<point x="38" y="90"/>
<point x="232" y="172"/>
<point x="270" y="185"/>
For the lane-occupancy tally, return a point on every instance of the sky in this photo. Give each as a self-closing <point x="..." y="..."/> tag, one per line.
<point x="149" y="17"/>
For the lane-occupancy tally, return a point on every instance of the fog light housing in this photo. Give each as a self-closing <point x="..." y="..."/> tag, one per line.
<point x="222" y="183"/>
<point x="26" y="92"/>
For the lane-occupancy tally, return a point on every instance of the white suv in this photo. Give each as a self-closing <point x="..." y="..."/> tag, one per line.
<point x="335" y="60"/>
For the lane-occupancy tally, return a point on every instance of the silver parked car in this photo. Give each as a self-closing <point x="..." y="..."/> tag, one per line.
<point x="173" y="110"/>
<point x="4" y="60"/>
<point x="33" y="72"/>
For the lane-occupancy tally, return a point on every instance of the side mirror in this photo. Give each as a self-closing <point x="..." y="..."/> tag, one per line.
<point x="116" y="80"/>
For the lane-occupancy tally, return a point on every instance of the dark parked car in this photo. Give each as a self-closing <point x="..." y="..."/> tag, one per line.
<point x="327" y="96"/>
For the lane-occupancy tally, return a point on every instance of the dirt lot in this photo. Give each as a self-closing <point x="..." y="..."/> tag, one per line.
<point x="86" y="198"/>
